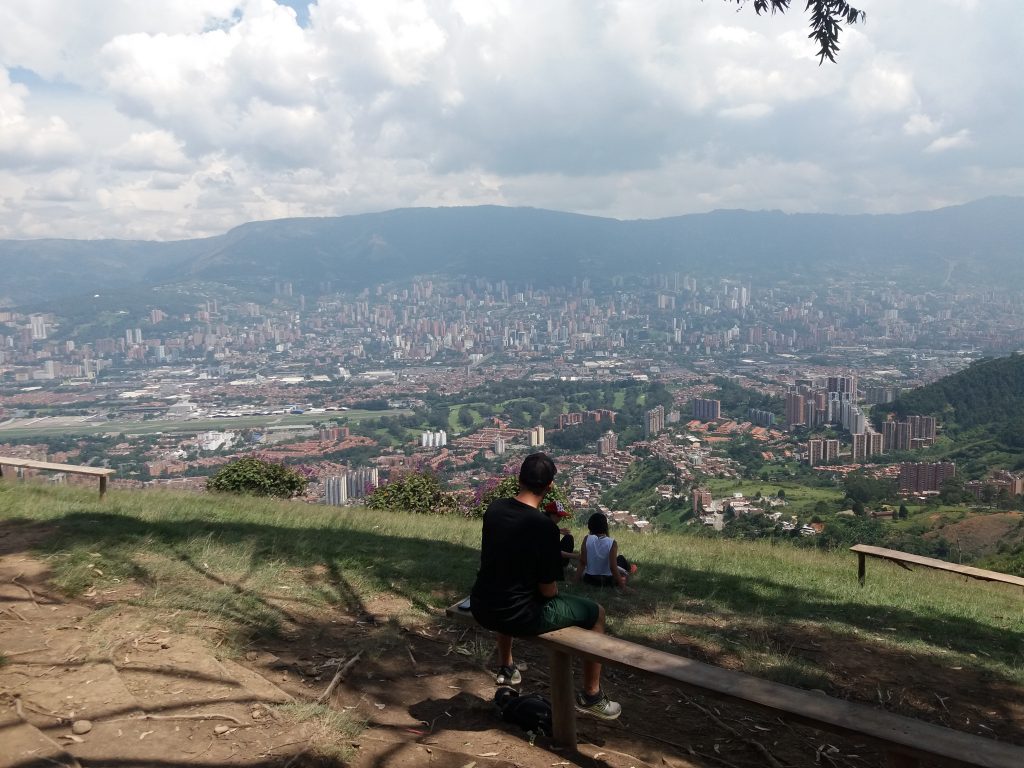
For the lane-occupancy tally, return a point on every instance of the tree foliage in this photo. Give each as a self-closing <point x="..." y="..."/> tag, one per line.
<point x="256" y="477"/>
<point x="506" y="488"/>
<point x="864" y="488"/>
<point x="419" y="492"/>
<point x="985" y="393"/>
<point x="737" y="400"/>
<point x="827" y="20"/>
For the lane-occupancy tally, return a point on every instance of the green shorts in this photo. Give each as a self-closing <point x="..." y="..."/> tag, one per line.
<point x="566" y="611"/>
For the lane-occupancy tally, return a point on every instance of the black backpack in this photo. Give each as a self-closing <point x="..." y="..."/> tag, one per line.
<point x="531" y="711"/>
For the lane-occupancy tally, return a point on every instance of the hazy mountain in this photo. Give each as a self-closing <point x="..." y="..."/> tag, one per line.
<point x="977" y="242"/>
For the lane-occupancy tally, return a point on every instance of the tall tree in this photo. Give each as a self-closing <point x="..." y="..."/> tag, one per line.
<point x="827" y="20"/>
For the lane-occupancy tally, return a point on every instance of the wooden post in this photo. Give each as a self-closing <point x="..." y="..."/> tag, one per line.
<point x="861" y="557"/>
<point x="563" y="704"/>
<point x="103" y="486"/>
<point x="900" y="760"/>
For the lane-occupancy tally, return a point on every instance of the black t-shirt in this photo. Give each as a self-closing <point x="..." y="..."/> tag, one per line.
<point x="519" y="550"/>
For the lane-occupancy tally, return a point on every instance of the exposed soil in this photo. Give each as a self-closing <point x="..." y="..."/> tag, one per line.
<point x="981" y="535"/>
<point x="158" y="695"/>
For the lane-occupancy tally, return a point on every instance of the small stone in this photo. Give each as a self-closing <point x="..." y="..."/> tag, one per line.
<point x="221" y="729"/>
<point x="251" y="656"/>
<point x="81" y="726"/>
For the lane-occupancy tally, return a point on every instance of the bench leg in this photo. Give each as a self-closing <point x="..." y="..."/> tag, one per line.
<point x="103" y="486"/>
<point x="860" y="567"/>
<point x="563" y="704"/>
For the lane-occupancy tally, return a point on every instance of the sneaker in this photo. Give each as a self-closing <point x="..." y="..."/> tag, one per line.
<point x="508" y="676"/>
<point x="598" y="706"/>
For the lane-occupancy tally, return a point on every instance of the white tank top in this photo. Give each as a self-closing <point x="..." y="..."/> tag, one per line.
<point x="598" y="548"/>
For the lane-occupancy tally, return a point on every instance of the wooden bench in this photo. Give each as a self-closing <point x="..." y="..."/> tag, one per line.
<point x="905" y="560"/>
<point x="903" y="740"/>
<point x="71" y="469"/>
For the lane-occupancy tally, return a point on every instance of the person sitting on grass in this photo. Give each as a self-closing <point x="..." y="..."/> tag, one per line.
<point x="601" y="565"/>
<point x="516" y="590"/>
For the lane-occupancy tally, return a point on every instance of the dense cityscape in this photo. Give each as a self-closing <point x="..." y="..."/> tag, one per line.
<point x="457" y="376"/>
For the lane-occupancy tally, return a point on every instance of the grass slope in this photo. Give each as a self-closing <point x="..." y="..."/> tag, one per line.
<point x="789" y="614"/>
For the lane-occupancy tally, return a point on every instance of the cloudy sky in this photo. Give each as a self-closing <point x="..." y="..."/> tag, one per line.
<point x="183" y="118"/>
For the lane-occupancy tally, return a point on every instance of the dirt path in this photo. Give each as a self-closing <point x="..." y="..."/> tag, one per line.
<point x="154" y="695"/>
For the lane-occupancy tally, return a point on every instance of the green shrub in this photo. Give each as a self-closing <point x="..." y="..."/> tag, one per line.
<point x="419" y="492"/>
<point x="506" y="488"/>
<point x="257" y="478"/>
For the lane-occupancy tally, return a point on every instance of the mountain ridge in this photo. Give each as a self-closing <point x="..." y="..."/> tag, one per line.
<point x="981" y="238"/>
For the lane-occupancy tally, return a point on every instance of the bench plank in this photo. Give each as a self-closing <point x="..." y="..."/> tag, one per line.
<point x="930" y="562"/>
<point x="71" y="469"/>
<point x="895" y="733"/>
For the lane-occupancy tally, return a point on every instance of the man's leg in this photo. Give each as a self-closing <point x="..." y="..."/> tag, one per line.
<point x="572" y="611"/>
<point x="592" y="669"/>
<point x="507" y="674"/>
<point x="504" y="650"/>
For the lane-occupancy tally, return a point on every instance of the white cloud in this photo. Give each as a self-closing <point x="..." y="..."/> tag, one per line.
<point x="958" y="140"/>
<point x="184" y="118"/>
<point x="881" y="88"/>
<point x="60" y="186"/>
<point x="920" y="125"/>
<point x="150" y="150"/>
<point x="28" y="141"/>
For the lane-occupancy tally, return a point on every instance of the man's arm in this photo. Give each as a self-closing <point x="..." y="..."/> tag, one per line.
<point x="549" y="589"/>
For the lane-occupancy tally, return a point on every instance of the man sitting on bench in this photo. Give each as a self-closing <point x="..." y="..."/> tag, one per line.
<point x="516" y="590"/>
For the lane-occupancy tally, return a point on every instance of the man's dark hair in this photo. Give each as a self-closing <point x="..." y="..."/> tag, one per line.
<point x="597" y="524"/>
<point x="537" y="472"/>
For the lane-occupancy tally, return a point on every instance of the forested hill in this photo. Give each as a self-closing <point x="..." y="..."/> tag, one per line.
<point x="988" y="392"/>
<point x="973" y="244"/>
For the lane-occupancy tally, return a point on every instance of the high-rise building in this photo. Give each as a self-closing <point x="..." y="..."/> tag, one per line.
<point x="844" y="384"/>
<point x="707" y="410"/>
<point x="822" y="451"/>
<point x="761" y="418"/>
<point x="880" y="395"/>
<point x="701" y="499"/>
<point x="436" y="439"/>
<point x="860" y="446"/>
<point x="499" y="445"/>
<point x="39" y="329"/>
<point x="537" y="436"/>
<point x="607" y="443"/>
<point x="360" y="481"/>
<point x="904" y="434"/>
<point x="925" y="477"/>
<point x="815" y="452"/>
<point x="794" y="409"/>
<point x="889" y="435"/>
<point x="335" y="491"/>
<point x="654" y="421"/>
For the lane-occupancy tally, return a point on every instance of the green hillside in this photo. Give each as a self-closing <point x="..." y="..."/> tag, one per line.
<point x="777" y="611"/>
<point x="981" y="414"/>
<point x="986" y="393"/>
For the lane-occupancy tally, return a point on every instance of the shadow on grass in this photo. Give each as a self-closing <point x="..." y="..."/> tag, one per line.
<point x="431" y="574"/>
<point x="784" y="603"/>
